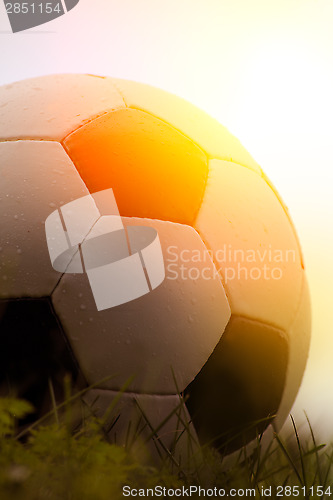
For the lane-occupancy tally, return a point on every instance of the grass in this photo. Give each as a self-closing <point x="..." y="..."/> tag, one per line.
<point x="51" y="461"/>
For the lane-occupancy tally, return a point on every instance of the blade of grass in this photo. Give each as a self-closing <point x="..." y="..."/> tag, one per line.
<point x="328" y="470"/>
<point x="53" y="401"/>
<point x="192" y="441"/>
<point x="315" y="450"/>
<point x="300" y="453"/>
<point x="285" y="452"/>
<point x="154" y="432"/>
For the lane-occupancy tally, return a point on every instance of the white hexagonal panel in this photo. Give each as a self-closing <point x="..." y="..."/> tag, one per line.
<point x="35" y="178"/>
<point x="169" y="332"/>
<point x="253" y="243"/>
<point x="50" y="107"/>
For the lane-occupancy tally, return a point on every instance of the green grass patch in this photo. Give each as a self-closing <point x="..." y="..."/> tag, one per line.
<point x="51" y="461"/>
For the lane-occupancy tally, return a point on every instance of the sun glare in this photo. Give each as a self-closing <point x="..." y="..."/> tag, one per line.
<point x="286" y="91"/>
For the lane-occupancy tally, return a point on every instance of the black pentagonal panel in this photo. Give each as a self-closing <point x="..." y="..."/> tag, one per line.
<point x="33" y="350"/>
<point x="239" y="389"/>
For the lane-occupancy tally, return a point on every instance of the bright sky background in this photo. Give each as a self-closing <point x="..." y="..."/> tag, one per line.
<point x="264" y="68"/>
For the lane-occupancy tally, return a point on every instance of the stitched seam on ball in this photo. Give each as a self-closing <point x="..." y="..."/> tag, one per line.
<point x="137" y="393"/>
<point x="209" y="157"/>
<point x="121" y="93"/>
<point x="211" y="253"/>
<point x="299" y="300"/>
<point x="285" y="209"/>
<point x="29" y="139"/>
<point x="203" y="193"/>
<point x="282" y="331"/>
<point x="91" y="119"/>
<point x="75" y="254"/>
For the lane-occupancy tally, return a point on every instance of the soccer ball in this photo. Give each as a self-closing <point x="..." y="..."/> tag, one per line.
<point x="222" y="341"/>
